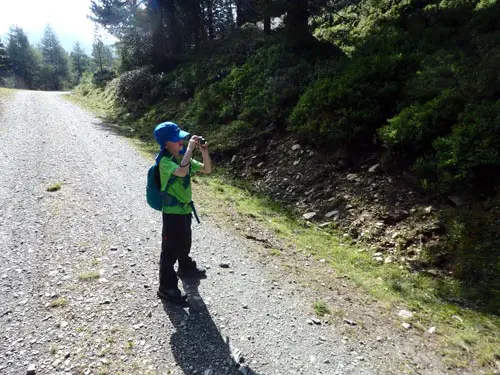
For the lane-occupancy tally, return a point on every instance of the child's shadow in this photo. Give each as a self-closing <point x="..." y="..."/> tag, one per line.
<point x="197" y="343"/>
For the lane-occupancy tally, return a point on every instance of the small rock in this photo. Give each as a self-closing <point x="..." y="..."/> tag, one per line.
<point x="260" y="165"/>
<point x="350" y="322"/>
<point x="432" y="330"/>
<point x="316" y="321"/>
<point x="456" y="200"/>
<point x="332" y="213"/>
<point x="379" y="339"/>
<point x="405" y="314"/>
<point x="379" y="259"/>
<point x="233" y="159"/>
<point x="309" y="321"/>
<point x="31" y="369"/>
<point x="352" y="176"/>
<point x="224" y="265"/>
<point x="406" y="325"/>
<point x="428" y="209"/>
<point x="373" y="168"/>
<point x="296" y="147"/>
<point x="326" y="361"/>
<point x="208" y="372"/>
<point x="309" y="215"/>
<point x="113" y="248"/>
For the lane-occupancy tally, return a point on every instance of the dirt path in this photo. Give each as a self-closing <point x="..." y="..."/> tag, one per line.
<point x="78" y="273"/>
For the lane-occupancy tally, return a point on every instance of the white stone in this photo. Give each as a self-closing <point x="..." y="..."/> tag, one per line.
<point x="332" y="213"/>
<point x="309" y="215"/>
<point x="405" y="314"/>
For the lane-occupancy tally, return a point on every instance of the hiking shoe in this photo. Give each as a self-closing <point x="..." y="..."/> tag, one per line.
<point x="172" y="294"/>
<point x="192" y="273"/>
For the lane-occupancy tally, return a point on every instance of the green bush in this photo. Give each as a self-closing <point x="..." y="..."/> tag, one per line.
<point x="134" y="86"/>
<point x="348" y="106"/>
<point x="471" y="153"/>
<point x="102" y="77"/>
<point x="416" y="126"/>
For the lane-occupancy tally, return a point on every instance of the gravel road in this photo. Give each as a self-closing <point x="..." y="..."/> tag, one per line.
<point x="78" y="271"/>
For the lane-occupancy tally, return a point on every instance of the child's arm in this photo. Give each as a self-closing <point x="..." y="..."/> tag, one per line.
<point x="207" y="162"/>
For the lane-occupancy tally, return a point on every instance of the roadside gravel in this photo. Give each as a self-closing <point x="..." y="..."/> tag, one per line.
<point x="78" y="272"/>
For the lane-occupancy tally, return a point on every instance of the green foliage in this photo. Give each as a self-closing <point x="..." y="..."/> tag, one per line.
<point x="416" y="126"/>
<point x="24" y="62"/>
<point x="470" y="154"/>
<point x="348" y="106"/>
<point x="102" y="77"/>
<point x="472" y="250"/>
<point x="134" y="87"/>
<point x="55" y="71"/>
<point x="260" y="92"/>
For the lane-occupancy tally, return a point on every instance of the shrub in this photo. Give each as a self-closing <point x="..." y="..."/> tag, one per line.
<point x="102" y="77"/>
<point x="350" y="105"/>
<point x="134" y="86"/>
<point x="471" y="153"/>
<point x="416" y="126"/>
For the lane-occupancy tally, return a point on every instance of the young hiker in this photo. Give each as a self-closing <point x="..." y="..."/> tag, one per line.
<point x="176" y="168"/>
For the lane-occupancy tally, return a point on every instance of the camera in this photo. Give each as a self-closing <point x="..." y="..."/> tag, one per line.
<point x="202" y="140"/>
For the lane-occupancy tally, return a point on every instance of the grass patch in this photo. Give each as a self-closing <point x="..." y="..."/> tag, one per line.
<point x="59" y="302"/>
<point x="321" y="309"/>
<point x="90" y="275"/>
<point x="274" y="252"/>
<point x="4" y="92"/>
<point x="54" y="187"/>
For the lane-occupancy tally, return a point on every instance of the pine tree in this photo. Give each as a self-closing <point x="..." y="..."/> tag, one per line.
<point x="80" y="62"/>
<point x="23" y="61"/>
<point x="56" y="58"/>
<point x="4" y="63"/>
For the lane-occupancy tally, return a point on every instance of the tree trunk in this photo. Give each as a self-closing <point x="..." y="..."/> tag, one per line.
<point x="296" y="23"/>
<point x="195" y="11"/>
<point x="239" y="13"/>
<point x="173" y="40"/>
<point x="267" y="24"/>
<point x="157" y="39"/>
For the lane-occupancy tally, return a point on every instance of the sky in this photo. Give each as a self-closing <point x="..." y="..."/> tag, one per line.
<point x="68" y="18"/>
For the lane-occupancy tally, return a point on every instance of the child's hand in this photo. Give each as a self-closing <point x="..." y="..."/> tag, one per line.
<point x="193" y="142"/>
<point x="203" y="147"/>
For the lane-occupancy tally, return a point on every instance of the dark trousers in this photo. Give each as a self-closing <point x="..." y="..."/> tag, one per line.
<point x="175" y="246"/>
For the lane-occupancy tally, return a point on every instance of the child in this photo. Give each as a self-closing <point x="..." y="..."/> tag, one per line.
<point x="176" y="168"/>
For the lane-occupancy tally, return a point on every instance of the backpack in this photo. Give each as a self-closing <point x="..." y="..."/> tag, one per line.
<point x="154" y="195"/>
